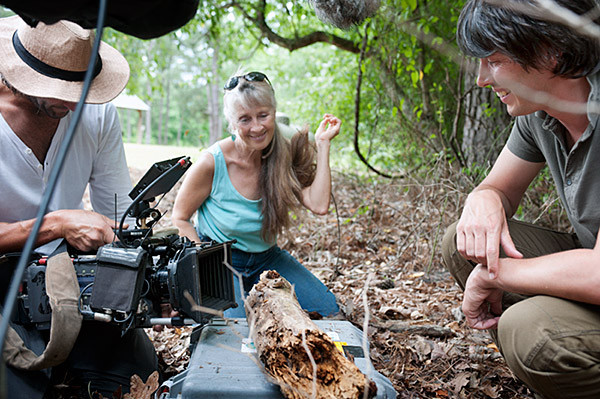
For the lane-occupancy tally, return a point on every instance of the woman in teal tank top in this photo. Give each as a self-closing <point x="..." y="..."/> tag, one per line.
<point x="244" y="187"/>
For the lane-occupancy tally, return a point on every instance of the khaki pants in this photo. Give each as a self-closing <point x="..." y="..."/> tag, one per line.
<point x="551" y="344"/>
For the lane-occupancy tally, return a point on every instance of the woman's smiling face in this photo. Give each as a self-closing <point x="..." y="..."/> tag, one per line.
<point x="255" y="126"/>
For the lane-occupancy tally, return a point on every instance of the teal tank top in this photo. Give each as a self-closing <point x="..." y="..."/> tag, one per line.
<point x="227" y="215"/>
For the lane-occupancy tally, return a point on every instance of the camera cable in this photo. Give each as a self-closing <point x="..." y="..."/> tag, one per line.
<point x="17" y="277"/>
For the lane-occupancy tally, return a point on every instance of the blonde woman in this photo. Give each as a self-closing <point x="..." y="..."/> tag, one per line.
<point x="244" y="186"/>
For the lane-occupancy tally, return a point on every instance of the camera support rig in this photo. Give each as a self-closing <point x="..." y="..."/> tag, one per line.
<point x="127" y="281"/>
<point x="158" y="180"/>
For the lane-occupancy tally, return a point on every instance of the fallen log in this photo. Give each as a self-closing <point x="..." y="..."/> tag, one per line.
<point x="428" y="330"/>
<point x="290" y="345"/>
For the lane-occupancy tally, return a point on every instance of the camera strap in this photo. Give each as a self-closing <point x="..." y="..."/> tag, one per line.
<point x="63" y="291"/>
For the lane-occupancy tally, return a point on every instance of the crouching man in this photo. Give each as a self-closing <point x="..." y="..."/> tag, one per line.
<point x="537" y="289"/>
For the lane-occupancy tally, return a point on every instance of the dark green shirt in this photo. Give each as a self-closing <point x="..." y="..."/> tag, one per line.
<point x="541" y="138"/>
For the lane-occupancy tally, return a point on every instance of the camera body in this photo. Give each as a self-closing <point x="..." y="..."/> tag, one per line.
<point x="127" y="282"/>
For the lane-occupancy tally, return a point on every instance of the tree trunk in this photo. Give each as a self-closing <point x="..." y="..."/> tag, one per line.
<point x="214" y="114"/>
<point x="160" y="121"/>
<point x="289" y="344"/>
<point x="165" y="137"/>
<point x="139" y="126"/>
<point x="487" y="124"/>
<point x="148" y="132"/>
<point x="180" y="129"/>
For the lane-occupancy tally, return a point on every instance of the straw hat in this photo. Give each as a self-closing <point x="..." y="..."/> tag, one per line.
<point x="50" y="61"/>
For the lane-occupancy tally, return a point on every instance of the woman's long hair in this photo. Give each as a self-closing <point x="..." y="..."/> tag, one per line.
<point x="287" y="167"/>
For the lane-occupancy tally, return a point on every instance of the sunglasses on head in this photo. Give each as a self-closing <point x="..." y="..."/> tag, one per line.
<point x="250" y="77"/>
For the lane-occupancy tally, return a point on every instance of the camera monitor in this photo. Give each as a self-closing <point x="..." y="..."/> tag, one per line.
<point x="159" y="179"/>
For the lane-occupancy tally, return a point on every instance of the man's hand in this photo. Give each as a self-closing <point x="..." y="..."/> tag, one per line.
<point x="482" y="229"/>
<point x="482" y="301"/>
<point x="85" y="230"/>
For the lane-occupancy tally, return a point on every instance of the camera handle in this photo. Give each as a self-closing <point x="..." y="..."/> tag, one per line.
<point x="173" y="321"/>
<point x="148" y="188"/>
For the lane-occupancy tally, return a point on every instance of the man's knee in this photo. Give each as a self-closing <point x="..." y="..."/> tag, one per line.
<point x="459" y="267"/>
<point x="552" y="345"/>
<point x="449" y="244"/>
<point x="521" y="328"/>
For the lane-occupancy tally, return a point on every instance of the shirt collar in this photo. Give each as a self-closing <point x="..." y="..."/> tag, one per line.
<point x="593" y="105"/>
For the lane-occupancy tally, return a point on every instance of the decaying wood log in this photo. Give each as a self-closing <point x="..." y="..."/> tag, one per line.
<point x="284" y="336"/>
<point x="428" y="330"/>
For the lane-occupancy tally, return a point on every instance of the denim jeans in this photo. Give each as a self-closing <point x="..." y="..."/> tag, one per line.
<point x="312" y="294"/>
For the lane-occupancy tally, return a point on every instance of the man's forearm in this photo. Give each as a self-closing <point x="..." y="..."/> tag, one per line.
<point x="573" y="275"/>
<point x="14" y="235"/>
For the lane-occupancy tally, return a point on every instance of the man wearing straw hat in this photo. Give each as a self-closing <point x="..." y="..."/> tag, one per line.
<point x="42" y="71"/>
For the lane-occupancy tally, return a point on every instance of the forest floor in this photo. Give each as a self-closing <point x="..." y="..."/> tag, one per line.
<point x="382" y="242"/>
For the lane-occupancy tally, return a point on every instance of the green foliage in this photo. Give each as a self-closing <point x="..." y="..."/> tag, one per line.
<point x="542" y="204"/>
<point x="6" y="12"/>
<point x="409" y="92"/>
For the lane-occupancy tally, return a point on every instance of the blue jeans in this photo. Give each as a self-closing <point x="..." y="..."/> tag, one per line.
<point x="312" y="294"/>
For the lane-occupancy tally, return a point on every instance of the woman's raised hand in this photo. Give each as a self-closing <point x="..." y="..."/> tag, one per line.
<point x="328" y="128"/>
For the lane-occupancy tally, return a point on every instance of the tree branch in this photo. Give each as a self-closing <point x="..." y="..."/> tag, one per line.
<point x="297" y="42"/>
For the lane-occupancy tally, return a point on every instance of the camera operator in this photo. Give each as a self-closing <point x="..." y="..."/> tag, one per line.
<point x="42" y="72"/>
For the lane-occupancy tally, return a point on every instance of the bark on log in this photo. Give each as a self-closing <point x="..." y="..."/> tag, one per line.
<point x="428" y="330"/>
<point x="282" y="331"/>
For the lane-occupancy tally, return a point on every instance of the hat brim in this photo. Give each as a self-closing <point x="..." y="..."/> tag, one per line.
<point x="107" y="85"/>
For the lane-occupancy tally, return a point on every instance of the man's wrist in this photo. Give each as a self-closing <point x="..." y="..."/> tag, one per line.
<point x="53" y="226"/>
<point x="481" y="274"/>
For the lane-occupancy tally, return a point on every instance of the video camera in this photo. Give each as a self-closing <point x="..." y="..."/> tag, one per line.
<point x="127" y="281"/>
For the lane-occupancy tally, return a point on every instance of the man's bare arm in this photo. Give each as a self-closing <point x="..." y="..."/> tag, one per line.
<point x="84" y="230"/>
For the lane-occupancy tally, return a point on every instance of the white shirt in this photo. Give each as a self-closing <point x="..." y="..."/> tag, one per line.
<point x="96" y="156"/>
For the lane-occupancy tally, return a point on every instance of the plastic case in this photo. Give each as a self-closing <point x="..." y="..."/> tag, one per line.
<point x="224" y="365"/>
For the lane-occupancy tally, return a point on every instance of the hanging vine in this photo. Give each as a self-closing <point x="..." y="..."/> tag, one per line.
<point x="357" y="108"/>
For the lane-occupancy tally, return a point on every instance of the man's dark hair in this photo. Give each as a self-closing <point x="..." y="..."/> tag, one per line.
<point x="7" y="84"/>
<point x="529" y="38"/>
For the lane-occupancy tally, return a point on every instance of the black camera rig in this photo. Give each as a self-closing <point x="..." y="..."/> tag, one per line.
<point x="127" y="281"/>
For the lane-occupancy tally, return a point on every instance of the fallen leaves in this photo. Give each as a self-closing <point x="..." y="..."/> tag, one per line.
<point x="142" y="390"/>
<point x="172" y="347"/>
<point x="391" y="229"/>
<point x="418" y="336"/>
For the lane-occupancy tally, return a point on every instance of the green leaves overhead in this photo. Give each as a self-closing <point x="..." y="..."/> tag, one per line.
<point x="410" y="5"/>
<point x="411" y="74"/>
